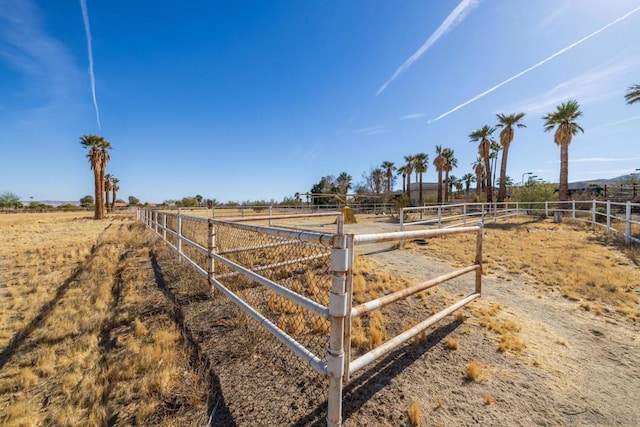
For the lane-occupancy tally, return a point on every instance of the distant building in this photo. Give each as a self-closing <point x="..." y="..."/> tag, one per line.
<point x="429" y="189"/>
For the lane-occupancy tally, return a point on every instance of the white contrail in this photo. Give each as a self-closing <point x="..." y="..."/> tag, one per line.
<point x="454" y="18"/>
<point x="533" y="67"/>
<point x="87" y="29"/>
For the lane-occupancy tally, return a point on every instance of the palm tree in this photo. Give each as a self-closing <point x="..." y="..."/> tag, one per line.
<point x="633" y="95"/>
<point x="451" y="162"/>
<point x="439" y="163"/>
<point x="97" y="146"/>
<point x="564" y="121"/>
<point x="484" y="149"/>
<point x="388" y="168"/>
<point x="420" y="165"/>
<point x="408" y="169"/>
<point x="467" y="178"/>
<point x="106" y="186"/>
<point x="506" y="137"/>
<point x="478" y="169"/>
<point x="344" y="182"/>
<point x="377" y="176"/>
<point x="114" y="190"/>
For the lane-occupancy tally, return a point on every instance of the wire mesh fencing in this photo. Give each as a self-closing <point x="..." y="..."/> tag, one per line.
<point x="270" y="281"/>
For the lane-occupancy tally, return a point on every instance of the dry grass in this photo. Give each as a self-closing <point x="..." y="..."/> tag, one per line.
<point x="451" y="343"/>
<point x="474" y="372"/>
<point x="566" y="258"/>
<point x="73" y="328"/>
<point x="413" y="412"/>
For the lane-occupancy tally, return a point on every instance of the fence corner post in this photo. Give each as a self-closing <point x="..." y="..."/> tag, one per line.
<point x="608" y="216"/>
<point x="338" y="305"/>
<point x="593" y="214"/>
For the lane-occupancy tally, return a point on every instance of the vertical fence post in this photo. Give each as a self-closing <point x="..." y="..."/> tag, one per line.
<point x="627" y="228"/>
<point x="482" y="210"/>
<point x="179" y="233"/>
<point x="155" y="222"/>
<point x="608" y="215"/>
<point x="464" y="213"/>
<point x="439" y="216"/>
<point x="401" y="226"/>
<point x="337" y="315"/>
<point x="479" y="259"/>
<point x="573" y="210"/>
<point x="546" y="209"/>
<point x="347" y="323"/>
<point x="211" y="246"/>
<point x="593" y="214"/>
<point x="270" y="213"/>
<point x="164" y="226"/>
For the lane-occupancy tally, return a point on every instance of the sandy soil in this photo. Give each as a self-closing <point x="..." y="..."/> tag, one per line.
<point x="576" y="369"/>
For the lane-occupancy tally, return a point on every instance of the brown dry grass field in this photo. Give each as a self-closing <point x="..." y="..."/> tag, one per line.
<point x="92" y="334"/>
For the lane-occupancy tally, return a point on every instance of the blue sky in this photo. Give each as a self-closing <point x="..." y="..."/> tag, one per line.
<point x="250" y="100"/>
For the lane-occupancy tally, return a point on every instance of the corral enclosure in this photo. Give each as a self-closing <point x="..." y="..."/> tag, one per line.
<point x="299" y="286"/>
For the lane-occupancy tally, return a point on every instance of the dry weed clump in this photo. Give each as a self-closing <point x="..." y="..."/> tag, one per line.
<point x="451" y="343"/>
<point x="414" y="414"/>
<point x="474" y="371"/>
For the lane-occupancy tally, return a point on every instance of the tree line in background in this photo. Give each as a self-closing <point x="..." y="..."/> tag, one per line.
<point x="379" y="181"/>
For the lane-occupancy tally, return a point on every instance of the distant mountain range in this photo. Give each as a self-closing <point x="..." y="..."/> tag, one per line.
<point x="579" y="185"/>
<point x="54" y="203"/>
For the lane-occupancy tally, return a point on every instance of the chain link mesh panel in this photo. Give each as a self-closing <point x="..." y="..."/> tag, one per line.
<point x="275" y="386"/>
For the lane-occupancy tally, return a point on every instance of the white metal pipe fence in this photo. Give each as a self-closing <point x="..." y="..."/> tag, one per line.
<point x="262" y="269"/>
<point x="622" y="218"/>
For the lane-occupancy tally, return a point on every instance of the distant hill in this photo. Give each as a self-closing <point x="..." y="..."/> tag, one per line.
<point x="54" y="203"/>
<point x="580" y="185"/>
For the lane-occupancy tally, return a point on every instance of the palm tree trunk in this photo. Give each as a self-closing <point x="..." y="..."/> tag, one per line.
<point x="113" y="198"/>
<point x="502" y="191"/>
<point x="420" y="197"/>
<point x="106" y="198"/>
<point x="446" y="186"/>
<point x="564" y="174"/>
<point x="489" y="185"/>
<point x="439" y="186"/>
<point x="97" y="177"/>
<point x="409" y="185"/>
<point x="404" y="183"/>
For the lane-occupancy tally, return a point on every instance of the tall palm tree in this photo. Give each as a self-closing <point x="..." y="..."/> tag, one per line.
<point x="420" y="164"/>
<point x="478" y="169"/>
<point x="344" y="182"/>
<point x="388" y="168"/>
<point x="106" y="187"/>
<point x="439" y="163"/>
<point x="506" y="137"/>
<point x="114" y="190"/>
<point x="633" y="95"/>
<point x="467" y="178"/>
<point x="451" y="162"/>
<point x="564" y="121"/>
<point x="484" y="149"/>
<point x="408" y="169"/>
<point x="98" y="147"/>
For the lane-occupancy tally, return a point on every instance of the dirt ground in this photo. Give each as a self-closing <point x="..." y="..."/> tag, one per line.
<point x="576" y="368"/>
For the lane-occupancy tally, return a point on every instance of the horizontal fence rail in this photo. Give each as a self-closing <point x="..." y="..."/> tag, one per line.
<point x="352" y="366"/>
<point x="621" y="218"/>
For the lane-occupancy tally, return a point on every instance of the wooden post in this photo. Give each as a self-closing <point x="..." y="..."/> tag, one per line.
<point x="627" y="228"/>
